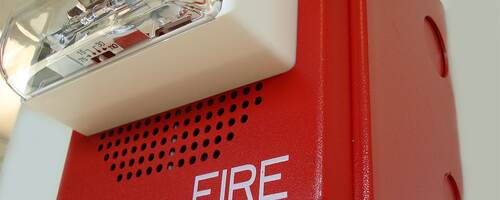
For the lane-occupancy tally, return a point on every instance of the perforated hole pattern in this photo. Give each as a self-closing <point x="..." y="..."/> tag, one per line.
<point x="161" y="143"/>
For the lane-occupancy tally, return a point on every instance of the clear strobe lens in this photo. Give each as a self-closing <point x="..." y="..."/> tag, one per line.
<point x="52" y="41"/>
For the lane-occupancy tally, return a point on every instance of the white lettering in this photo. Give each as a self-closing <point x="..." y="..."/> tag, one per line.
<point x="197" y="179"/>
<point x="242" y="185"/>
<point x="275" y="177"/>
<point x="223" y="185"/>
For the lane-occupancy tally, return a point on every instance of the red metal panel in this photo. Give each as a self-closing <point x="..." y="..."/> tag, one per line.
<point x="334" y="115"/>
<point x="288" y="122"/>
<point x="414" y="135"/>
<point x="360" y="92"/>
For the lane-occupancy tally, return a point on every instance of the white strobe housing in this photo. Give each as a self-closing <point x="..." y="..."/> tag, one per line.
<point x="236" y="43"/>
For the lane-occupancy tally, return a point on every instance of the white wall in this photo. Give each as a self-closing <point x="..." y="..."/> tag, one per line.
<point x="474" y="44"/>
<point x="35" y="158"/>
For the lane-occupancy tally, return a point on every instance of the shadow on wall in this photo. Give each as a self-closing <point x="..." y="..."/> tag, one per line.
<point x="9" y="107"/>
<point x="3" y="147"/>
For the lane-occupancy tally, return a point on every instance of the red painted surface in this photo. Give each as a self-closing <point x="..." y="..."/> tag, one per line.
<point x="414" y="131"/>
<point x="364" y="114"/>
<point x="131" y="39"/>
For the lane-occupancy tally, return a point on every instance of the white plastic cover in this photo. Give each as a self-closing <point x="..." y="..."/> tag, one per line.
<point x="53" y="41"/>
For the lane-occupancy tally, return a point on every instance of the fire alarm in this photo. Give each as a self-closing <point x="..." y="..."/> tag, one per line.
<point x="83" y="62"/>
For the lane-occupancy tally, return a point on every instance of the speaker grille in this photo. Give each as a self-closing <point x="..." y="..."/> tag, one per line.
<point x="178" y="138"/>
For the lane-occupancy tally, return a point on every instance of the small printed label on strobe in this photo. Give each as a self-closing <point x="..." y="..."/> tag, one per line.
<point x="96" y="52"/>
<point x="232" y="185"/>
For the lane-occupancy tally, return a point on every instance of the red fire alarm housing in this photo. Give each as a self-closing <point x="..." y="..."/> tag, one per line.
<point x="366" y="113"/>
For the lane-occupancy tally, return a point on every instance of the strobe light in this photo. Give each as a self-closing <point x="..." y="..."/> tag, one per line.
<point x="40" y="51"/>
<point x="83" y="61"/>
